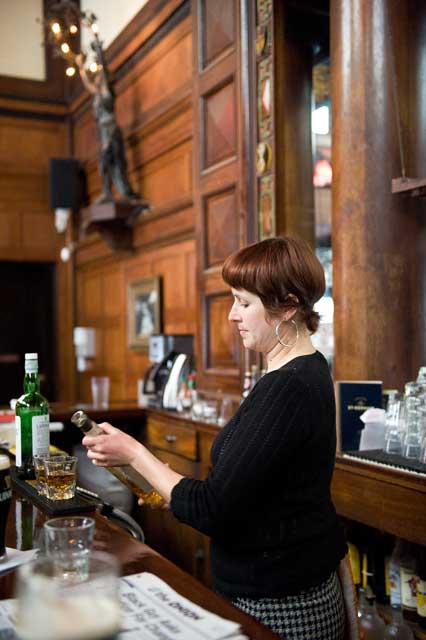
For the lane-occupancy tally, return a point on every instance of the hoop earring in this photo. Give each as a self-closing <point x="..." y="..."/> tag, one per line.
<point x="284" y="344"/>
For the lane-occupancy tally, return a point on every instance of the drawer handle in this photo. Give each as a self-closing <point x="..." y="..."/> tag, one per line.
<point x="170" y="438"/>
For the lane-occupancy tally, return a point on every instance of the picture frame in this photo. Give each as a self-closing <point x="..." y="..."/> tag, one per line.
<point x="143" y="311"/>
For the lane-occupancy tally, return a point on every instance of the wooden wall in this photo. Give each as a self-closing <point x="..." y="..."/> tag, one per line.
<point x="26" y="225"/>
<point x="223" y="189"/>
<point x="31" y="132"/>
<point x="154" y="109"/>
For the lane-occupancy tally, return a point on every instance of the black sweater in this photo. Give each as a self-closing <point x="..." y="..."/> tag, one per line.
<point x="266" y="502"/>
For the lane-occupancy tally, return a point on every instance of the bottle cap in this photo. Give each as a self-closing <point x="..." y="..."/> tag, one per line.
<point x="4" y="462"/>
<point x="31" y="356"/>
<point x="78" y="418"/>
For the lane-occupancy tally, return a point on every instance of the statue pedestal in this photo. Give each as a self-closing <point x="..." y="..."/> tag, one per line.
<point x="114" y="220"/>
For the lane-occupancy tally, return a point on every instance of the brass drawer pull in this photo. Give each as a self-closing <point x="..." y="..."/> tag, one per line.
<point x="170" y="438"/>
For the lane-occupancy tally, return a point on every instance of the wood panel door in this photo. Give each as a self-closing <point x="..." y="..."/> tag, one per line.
<point x="222" y="180"/>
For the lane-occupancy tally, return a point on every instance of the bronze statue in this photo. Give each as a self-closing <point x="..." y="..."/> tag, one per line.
<point x="112" y="158"/>
<point x="63" y="22"/>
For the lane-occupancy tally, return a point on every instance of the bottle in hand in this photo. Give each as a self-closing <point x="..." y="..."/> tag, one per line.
<point x="32" y="420"/>
<point x="125" y="473"/>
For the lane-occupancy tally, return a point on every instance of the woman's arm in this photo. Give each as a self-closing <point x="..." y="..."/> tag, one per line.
<point x="116" y="448"/>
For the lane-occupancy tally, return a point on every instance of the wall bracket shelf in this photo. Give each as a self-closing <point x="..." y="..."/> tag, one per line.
<point x="114" y="220"/>
<point x="414" y="187"/>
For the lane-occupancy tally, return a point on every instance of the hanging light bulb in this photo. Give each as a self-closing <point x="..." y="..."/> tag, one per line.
<point x="65" y="47"/>
<point x="56" y="28"/>
<point x="73" y="29"/>
<point x="70" y="71"/>
<point x="95" y="28"/>
<point x="93" y="67"/>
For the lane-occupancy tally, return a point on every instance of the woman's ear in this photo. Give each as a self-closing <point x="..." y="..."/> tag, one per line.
<point x="291" y="312"/>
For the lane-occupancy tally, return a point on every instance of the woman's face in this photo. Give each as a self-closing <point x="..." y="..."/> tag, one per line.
<point x="249" y="316"/>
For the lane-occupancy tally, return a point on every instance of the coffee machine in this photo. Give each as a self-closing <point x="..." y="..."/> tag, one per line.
<point x="172" y="357"/>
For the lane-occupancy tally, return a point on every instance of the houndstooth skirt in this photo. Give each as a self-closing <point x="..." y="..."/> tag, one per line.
<point x="315" y="614"/>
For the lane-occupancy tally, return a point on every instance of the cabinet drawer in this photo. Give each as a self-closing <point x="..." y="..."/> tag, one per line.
<point x="172" y="437"/>
<point x="181" y="465"/>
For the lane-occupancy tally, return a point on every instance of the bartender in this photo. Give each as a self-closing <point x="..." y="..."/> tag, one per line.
<point x="275" y="539"/>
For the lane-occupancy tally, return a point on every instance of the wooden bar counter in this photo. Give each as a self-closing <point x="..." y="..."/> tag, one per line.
<point x="25" y="523"/>
<point x="388" y="499"/>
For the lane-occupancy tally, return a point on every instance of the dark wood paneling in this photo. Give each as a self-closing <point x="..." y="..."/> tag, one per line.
<point x="222" y="347"/>
<point x="221" y="224"/>
<point x="28" y="231"/>
<point x="219" y="125"/>
<point x="101" y="303"/>
<point x="218" y="31"/>
<point x="221" y="177"/>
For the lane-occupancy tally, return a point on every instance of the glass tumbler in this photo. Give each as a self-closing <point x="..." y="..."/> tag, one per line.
<point x="51" y="608"/>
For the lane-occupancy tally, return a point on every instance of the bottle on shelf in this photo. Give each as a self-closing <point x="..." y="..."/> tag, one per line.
<point x="394" y="574"/>
<point x="125" y="473"/>
<point x="371" y="625"/>
<point x="398" y="629"/>
<point x="409" y="580"/>
<point x="32" y="420"/>
<point x="421" y="587"/>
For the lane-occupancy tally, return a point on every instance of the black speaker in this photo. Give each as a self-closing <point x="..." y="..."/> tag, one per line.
<point x="66" y="183"/>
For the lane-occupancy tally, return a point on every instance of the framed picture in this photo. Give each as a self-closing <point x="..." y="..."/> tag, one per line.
<point x="143" y="311"/>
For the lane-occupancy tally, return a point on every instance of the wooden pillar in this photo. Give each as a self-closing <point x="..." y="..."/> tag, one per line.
<point x="295" y="212"/>
<point x="377" y="263"/>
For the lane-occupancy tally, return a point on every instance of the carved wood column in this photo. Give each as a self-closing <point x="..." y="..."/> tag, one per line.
<point x="377" y="263"/>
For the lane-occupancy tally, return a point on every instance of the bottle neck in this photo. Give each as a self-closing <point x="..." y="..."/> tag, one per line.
<point x="397" y="614"/>
<point x="31" y="383"/>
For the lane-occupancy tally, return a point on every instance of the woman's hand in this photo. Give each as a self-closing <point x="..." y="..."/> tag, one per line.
<point x="112" y="448"/>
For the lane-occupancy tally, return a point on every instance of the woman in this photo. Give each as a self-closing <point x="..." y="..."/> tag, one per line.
<point x="275" y="539"/>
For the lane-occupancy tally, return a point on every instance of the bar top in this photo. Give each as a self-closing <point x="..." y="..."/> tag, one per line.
<point x="25" y="524"/>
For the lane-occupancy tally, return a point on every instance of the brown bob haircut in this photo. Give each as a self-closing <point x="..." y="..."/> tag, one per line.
<point x="284" y="272"/>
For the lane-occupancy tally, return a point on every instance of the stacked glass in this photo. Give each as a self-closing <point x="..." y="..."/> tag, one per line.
<point x="406" y="420"/>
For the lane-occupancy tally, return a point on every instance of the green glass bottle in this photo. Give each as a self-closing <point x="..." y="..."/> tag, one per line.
<point x="32" y="420"/>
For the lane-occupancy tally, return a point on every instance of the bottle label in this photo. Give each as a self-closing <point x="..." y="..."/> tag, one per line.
<point x="408" y="588"/>
<point x="18" y="452"/>
<point x="387" y="576"/>
<point x="40" y="430"/>
<point x="394" y="583"/>
<point x="6" y="494"/>
<point x="421" y="598"/>
<point x="31" y="366"/>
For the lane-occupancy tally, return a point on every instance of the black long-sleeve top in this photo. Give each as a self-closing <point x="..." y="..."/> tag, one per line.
<point x="266" y="502"/>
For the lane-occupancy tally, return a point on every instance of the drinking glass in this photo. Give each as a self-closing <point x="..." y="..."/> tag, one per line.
<point x="60" y="477"/>
<point x="100" y="391"/>
<point x="40" y="471"/>
<point x="210" y="410"/>
<point x="51" y="608"/>
<point x="68" y="542"/>
<point x="394" y="426"/>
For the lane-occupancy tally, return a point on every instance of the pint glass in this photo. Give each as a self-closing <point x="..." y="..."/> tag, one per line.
<point x="5" y="496"/>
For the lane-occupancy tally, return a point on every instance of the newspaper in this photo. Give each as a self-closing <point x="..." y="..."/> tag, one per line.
<point x="154" y="611"/>
<point x="151" y="610"/>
